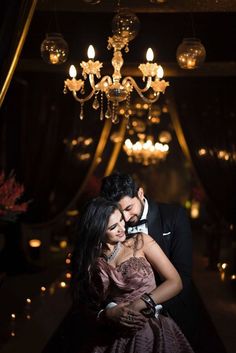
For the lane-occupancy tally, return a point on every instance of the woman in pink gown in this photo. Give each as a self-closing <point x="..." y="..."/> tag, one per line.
<point x="109" y="269"/>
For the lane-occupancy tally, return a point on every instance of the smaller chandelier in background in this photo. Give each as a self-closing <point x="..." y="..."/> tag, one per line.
<point x="145" y="151"/>
<point x="54" y="49"/>
<point x="190" y="54"/>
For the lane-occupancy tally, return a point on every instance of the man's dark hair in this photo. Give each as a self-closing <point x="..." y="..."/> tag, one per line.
<point x="118" y="185"/>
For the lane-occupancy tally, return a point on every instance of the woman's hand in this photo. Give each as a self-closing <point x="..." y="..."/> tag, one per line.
<point x="124" y="316"/>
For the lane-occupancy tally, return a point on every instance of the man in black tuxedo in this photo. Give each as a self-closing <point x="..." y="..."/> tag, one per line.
<point x="169" y="226"/>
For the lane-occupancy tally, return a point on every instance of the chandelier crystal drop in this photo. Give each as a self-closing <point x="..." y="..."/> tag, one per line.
<point x="114" y="89"/>
<point x="190" y="54"/>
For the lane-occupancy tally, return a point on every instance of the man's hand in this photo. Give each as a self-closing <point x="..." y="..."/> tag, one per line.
<point x="125" y="317"/>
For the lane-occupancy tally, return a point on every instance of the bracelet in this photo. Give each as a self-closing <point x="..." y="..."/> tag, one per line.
<point x="148" y="300"/>
<point x="150" y="310"/>
<point x="99" y="314"/>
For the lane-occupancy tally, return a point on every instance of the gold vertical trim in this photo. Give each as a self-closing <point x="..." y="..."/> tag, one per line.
<point x="180" y="134"/>
<point x="117" y="147"/>
<point x="17" y="52"/>
<point x="177" y="125"/>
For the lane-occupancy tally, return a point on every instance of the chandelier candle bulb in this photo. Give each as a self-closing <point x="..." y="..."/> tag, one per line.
<point x="72" y="72"/>
<point x="91" y="52"/>
<point x="160" y="71"/>
<point x="149" y="55"/>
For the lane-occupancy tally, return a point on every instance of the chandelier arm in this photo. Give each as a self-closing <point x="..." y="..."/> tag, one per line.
<point x="82" y="100"/>
<point x="91" y="81"/>
<point x="148" y="100"/>
<point x="134" y="84"/>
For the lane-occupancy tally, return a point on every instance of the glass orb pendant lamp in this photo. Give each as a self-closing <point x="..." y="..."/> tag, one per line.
<point x="125" y="24"/>
<point x="190" y="54"/>
<point x="54" y="49"/>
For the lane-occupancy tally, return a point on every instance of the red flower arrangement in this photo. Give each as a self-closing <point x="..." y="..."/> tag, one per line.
<point x="10" y="193"/>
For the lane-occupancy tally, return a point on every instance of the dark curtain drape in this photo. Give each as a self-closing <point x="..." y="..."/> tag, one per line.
<point x="37" y="119"/>
<point x="207" y="116"/>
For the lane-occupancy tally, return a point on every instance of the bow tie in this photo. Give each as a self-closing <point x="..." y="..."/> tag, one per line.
<point x="140" y="222"/>
<point x="140" y="226"/>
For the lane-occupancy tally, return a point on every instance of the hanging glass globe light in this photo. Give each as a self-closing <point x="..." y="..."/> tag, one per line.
<point x="54" y="49"/>
<point x="190" y="53"/>
<point x="125" y="24"/>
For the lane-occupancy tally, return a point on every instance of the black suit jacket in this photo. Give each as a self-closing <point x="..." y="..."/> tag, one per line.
<point x="169" y="225"/>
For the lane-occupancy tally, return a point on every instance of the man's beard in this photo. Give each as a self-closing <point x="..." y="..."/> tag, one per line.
<point x="137" y="219"/>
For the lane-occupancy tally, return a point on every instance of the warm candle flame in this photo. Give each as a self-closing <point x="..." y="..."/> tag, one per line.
<point x="91" y="52"/>
<point x="72" y="71"/>
<point x="149" y="54"/>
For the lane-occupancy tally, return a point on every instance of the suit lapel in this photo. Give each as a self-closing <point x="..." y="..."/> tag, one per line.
<point x="154" y="222"/>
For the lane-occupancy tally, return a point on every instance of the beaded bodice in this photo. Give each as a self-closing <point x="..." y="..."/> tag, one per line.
<point x="127" y="281"/>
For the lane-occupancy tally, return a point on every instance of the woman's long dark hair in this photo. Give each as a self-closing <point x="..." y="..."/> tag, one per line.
<point x="92" y="227"/>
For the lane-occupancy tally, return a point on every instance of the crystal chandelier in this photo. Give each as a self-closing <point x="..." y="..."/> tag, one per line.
<point x="146" y="151"/>
<point x="115" y="88"/>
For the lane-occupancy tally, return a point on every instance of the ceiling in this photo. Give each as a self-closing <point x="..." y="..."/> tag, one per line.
<point x="163" y="26"/>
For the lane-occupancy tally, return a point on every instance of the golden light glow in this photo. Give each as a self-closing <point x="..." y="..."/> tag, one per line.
<point x="72" y="213"/>
<point x="53" y="58"/>
<point x="202" y="152"/>
<point x="195" y="209"/>
<point x="191" y="63"/>
<point x="63" y="244"/>
<point x="63" y="284"/>
<point x="35" y="243"/>
<point x="224" y="265"/>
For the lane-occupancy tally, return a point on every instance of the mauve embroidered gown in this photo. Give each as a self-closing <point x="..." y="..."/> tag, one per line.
<point x="127" y="282"/>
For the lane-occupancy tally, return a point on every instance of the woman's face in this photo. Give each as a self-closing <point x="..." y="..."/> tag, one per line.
<point x="115" y="228"/>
